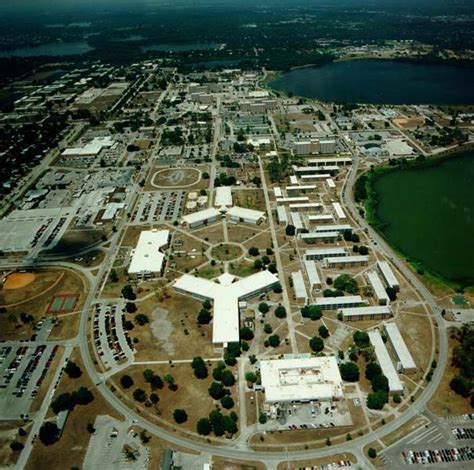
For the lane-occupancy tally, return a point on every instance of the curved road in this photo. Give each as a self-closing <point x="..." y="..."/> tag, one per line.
<point x="232" y="450"/>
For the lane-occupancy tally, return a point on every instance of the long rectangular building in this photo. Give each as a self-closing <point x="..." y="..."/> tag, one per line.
<point x="334" y="303"/>
<point x="314" y="237"/>
<point x="377" y="286"/>
<point x="333" y="228"/>
<point x="196" y="219"/>
<point x="312" y="272"/>
<point x="365" y="313"/>
<point x="338" y="210"/>
<point x="305" y="206"/>
<point x="319" y="176"/>
<point x="383" y="357"/>
<point x="388" y="275"/>
<point x="297" y="222"/>
<point x="282" y="215"/>
<point x="320" y="218"/>
<point x="406" y="364"/>
<point x="346" y="261"/>
<point x="322" y="253"/>
<point x="299" y="287"/>
<point x="148" y="258"/>
<point x="287" y="200"/>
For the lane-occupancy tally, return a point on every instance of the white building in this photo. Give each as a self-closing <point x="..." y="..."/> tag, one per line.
<point x="322" y="253"/>
<point x="305" y="206"/>
<point x="226" y="296"/>
<point x="334" y="303"/>
<point x="312" y="272"/>
<point x="378" y="288"/>
<point x="301" y="380"/>
<point x="315" y="237"/>
<point x="383" y="357"/>
<point x="320" y="218"/>
<point x="148" y="258"/>
<point x="223" y="198"/>
<point x="196" y="219"/>
<point x="248" y="216"/>
<point x="406" y="364"/>
<point x="282" y="215"/>
<point x="365" y="313"/>
<point x="333" y="228"/>
<point x="298" y="286"/>
<point x="287" y="200"/>
<point x="338" y="210"/>
<point x="388" y="275"/>
<point x="297" y="222"/>
<point x="346" y="261"/>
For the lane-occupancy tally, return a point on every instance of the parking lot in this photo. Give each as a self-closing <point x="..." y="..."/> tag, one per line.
<point x="22" y="371"/>
<point x="329" y="466"/>
<point x="112" y="342"/>
<point x="158" y="206"/>
<point x="429" y="457"/>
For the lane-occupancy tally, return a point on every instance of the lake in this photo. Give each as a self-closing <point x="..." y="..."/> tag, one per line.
<point x="200" y="46"/>
<point x="428" y="214"/>
<point x="50" y="49"/>
<point x="381" y="82"/>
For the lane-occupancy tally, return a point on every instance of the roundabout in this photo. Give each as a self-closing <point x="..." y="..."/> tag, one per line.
<point x="176" y="178"/>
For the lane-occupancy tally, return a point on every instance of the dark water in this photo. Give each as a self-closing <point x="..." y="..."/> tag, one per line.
<point x="198" y="46"/>
<point x="52" y="49"/>
<point x="381" y="81"/>
<point x="429" y="215"/>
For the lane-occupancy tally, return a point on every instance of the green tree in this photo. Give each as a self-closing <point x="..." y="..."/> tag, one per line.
<point x="258" y="264"/>
<point x="311" y="311"/>
<point x="203" y="427"/>
<point x="363" y="250"/>
<point x="82" y="396"/>
<point x="361" y="339"/>
<point x="227" y="402"/>
<point x="461" y="385"/>
<point x="228" y="378"/>
<point x="372" y="453"/>
<point x="262" y="418"/>
<point x="263" y="307"/>
<point x="217" y="371"/>
<point x="280" y="311"/>
<point x="290" y="230"/>
<point x="346" y="283"/>
<point x="316" y="344"/>
<point x="246" y="333"/>
<point x="204" y="317"/>
<point x="169" y="379"/>
<point x="251" y="377"/>
<point x="323" y="332"/>
<point x="372" y="369"/>
<point x="180" y="416"/>
<point x="349" y="372"/>
<point x="48" y="433"/>
<point x="267" y="328"/>
<point x="128" y="293"/>
<point x="63" y="402"/>
<point x="230" y="426"/>
<point x="139" y="395"/>
<point x="141" y="319"/>
<point x="254" y="251"/>
<point x="274" y="341"/>
<point x="199" y="367"/>
<point x="131" y="307"/>
<point x="377" y="400"/>
<point x="380" y="383"/>
<point x="73" y="370"/>
<point x="216" y="390"/>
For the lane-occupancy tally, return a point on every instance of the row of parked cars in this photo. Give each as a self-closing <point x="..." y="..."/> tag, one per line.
<point x="13" y="366"/>
<point x="463" y="433"/>
<point x="53" y="352"/>
<point x="329" y="466"/>
<point x="463" y="454"/>
<point x="110" y="325"/>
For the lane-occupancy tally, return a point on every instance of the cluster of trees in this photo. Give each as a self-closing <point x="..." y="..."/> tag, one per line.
<point x="351" y="237"/>
<point x="311" y="311"/>
<point x="463" y="358"/>
<point x="73" y="370"/>
<point x="218" y="423"/>
<point x="265" y="262"/>
<point x="199" y="367"/>
<point x="227" y="162"/>
<point x="67" y="401"/>
<point x="224" y="180"/>
<point x="346" y="283"/>
<point x="362" y="250"/>
<point x="380" y="389"/>
<point x="349" y="371"/>
<point x="205" y="316"/>
<point x="172" y="136"/>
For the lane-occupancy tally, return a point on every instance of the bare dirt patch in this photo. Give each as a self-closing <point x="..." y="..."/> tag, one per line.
<point x="18" y="280"/>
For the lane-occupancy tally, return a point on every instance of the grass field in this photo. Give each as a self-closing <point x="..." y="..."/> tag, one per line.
<point x="226" y="252"/>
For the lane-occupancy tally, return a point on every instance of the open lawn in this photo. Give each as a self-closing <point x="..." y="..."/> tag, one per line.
<point x="191" y="395"/>
<point x="249" y="198"/>
<point x="225" y="464"/>
<point x="8" y="434"/>
<point x="226" y="252"/>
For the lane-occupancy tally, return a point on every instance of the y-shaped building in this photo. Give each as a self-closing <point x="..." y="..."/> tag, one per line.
<point x="226" y="293"/>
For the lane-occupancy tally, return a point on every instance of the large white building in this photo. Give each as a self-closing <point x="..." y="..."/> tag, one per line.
<point x="301" y="380"/>
<point x="378" y="312"/>
<point x="322" y="253"/>
<point x="406" y="364"/>
<point x="378" y="288"/>
<point x="223" y="198"/>
<point x="299" y="287"/>
<point x="148" y="258"/>
<point x="196" y="219"/>
<point x="388" y="275"/>
<point x="249" y="216"/>
<point x="226" y="295"/>
<point x="333" y="303"/>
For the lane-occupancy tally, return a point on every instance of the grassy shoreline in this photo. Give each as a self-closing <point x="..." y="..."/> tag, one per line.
<point x="370" y="202"/>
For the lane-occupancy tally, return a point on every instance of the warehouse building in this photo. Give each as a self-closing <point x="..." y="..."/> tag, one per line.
<point x="196" y="219"/>
<point x="148" y="258"/>
<point x="378" y="288"/>
<point x="387" y="275"/>
<point x="298" y="286"/>
<point x="312" y="272"/>
<point x="334" y="303"/>
<point x="319" y="237"/>
<point x="406" y="364"/>
<point x="365" y="313"/>
<point x="248" y="216"/>
<point x="322" y="253"/>
<point x="346" y="261"/>
<point x="383" y="358"/>
<point x="338" y="161"/>
<point x="226" y="295"/>
<point x="301" y="379"/>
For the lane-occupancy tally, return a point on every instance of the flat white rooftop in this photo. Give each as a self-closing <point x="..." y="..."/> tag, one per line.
<point x="246" y="214"/>
<point x="200" y="216"/>
<point x="322" y="252"/>
<point x="282" y="215"/>
<point x="400" y="347"/>
<point x="338" y="210"/>
<point x="330" y="182"/>
<point x="312" y="272"/>
<point x="296" y="220"/>
<point x="378" y="287"/>
<point x="347" y="259"/>
<point x="320" y="217"/>
<point x="366" y="311"/>
<point x="299" y="286"/>
<point x="226" y="295"/>
<point x="344" y="300"/>
<point x="388" y="274"/>
<point x="306" y="205"/>
<point x="317" y="176"/>
<point x="147" y="256"/>
<point x="385" y="362"/>
<point x="283" y="200"/>
<point x="223" y="197"/>
<point x="333" y="228"/>
<point x="301" y="187"/>
<point x="318" y="235"/>
<point x="301" y="379"/>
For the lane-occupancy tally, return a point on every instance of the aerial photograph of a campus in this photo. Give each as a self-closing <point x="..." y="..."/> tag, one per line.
<point x="236" y="235"/>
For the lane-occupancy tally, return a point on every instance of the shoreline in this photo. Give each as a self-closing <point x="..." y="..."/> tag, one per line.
<point x="369" y="203"/>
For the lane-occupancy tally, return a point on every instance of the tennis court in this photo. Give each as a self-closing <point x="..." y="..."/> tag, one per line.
<point x="63" y="303"/>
